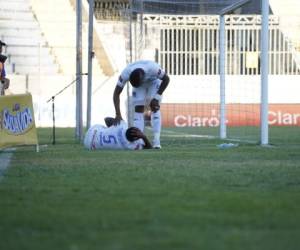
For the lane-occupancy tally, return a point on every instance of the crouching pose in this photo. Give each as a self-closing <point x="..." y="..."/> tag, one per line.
<point x="149" y="82"/>
<point x="115" y="137"/>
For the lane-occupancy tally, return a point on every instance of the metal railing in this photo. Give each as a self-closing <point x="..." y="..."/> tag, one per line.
<point x="110" y="10"/>
<point x="190" y="45"/>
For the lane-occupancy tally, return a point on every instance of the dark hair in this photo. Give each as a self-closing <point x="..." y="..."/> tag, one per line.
<point x="129" y="134"/>
<point x="136" y="77"/>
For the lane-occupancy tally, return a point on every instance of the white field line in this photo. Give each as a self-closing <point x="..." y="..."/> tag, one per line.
<point x="170" y="133"/>
<point x="5" y="157"/>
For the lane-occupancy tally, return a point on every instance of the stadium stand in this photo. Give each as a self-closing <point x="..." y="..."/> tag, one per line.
<point x="41" y="54"/>
<point x="288" y="11"/>
<point x="110" y="9"/>
<point x="57" y="20"/>
<point x="27" y="51"/>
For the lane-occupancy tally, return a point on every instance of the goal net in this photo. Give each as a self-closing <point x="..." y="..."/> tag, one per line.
<point x="184" y="38"/>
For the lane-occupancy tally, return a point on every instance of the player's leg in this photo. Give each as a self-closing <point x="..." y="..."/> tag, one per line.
<point x="155" y="116"/>
<point x="138" y="99"/>
<point x="156" y="128"/>
<point x="138" y="119"/>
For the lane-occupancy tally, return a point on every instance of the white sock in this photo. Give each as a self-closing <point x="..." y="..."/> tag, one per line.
<point x="156" y="125"/>
<point x="138" y="121"/>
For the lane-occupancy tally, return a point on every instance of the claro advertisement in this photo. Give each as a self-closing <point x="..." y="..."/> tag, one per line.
<point x="208" y="115"/>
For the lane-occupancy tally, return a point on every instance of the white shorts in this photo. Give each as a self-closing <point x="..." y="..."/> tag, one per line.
<point x="143" y="95"/>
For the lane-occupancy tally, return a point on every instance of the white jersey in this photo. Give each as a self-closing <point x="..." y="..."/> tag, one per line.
<point x="114" y="137"/>
<point x="152" y="72"/>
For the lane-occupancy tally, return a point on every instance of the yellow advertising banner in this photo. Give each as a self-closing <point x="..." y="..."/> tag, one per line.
<point x="17" y="125"/>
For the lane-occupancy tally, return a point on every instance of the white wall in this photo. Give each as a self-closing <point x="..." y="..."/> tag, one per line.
<point x="239" y="89"/>
<point x="182" y="89"/>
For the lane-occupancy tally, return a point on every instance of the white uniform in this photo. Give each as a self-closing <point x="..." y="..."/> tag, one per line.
<point x="114" y="137"/>
<point x="150" y="85"/>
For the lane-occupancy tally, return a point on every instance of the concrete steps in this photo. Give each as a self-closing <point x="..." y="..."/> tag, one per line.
<point x="57" y="19"/>
<point x="289" y="14"/>
<point x="27" y="51"/>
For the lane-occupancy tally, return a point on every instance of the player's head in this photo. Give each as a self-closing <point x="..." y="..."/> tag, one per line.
<point x="132" y="134"/>
<point x="136" y="77"/>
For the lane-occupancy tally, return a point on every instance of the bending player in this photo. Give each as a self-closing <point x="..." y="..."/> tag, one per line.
<point x="149" y="82"/>
<point x="115" y="137"/>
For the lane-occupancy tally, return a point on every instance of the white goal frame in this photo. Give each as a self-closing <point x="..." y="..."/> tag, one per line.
<point x="264" y="134"/>
<point x="264" y="68"/>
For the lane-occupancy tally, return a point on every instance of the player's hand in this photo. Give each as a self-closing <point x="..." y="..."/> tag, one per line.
<point x="117" y="120"/>
<point x="154" y="105"/>
<point x="136" y="133"/>
<point x="6" y="84"/>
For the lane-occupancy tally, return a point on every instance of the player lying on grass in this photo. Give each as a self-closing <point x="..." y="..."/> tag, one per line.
<point x="115" y="137"/>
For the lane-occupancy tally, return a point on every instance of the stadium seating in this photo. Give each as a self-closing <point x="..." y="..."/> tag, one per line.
<point x="27" y="51"/>
<point x="40" y="29"/>
<point x="57" y="20"/>
<point x="41" y="38"/>
<point x="288" y="11"/>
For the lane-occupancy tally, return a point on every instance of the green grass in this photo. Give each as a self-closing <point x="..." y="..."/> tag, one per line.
<point x="190" y="195"/>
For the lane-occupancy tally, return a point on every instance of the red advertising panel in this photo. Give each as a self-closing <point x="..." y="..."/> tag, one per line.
<point x="208" y="115"/>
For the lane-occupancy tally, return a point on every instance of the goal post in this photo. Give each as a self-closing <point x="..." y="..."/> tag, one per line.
<point x="222" y="66"/>
<point x="264" y="135"/>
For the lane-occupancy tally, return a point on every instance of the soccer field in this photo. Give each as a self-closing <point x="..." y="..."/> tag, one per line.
<point x="189" y="195"/>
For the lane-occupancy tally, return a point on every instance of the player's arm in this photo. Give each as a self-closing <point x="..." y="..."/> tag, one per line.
<point x="147" y="144"/>
<point x="116" y="99"/>
<point x="136" y="134"/>
<point x="123" y="78"/>
<point x="164" y="84"/>
<point x="141" y="135"/>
